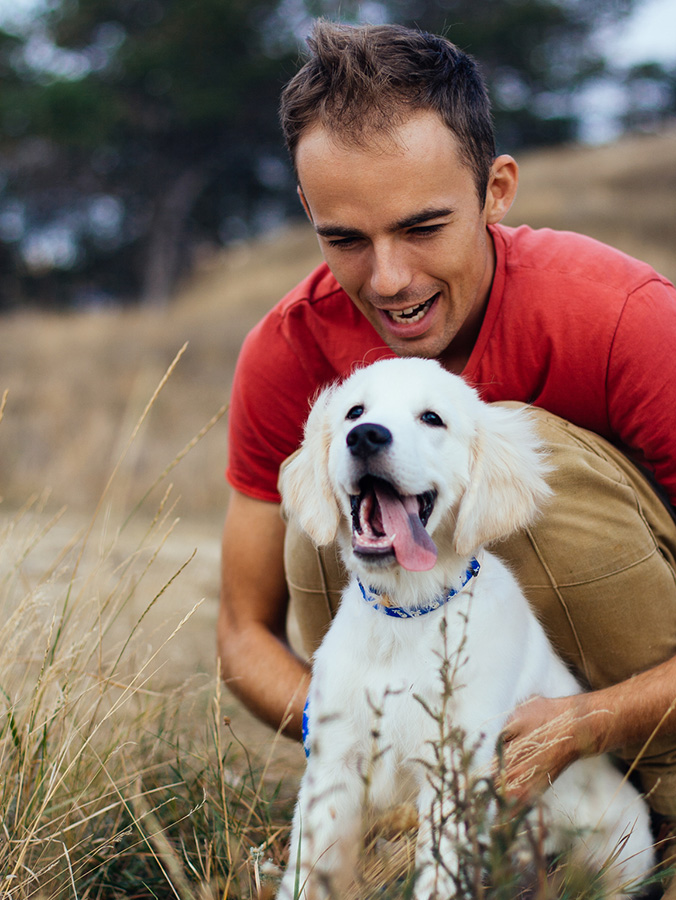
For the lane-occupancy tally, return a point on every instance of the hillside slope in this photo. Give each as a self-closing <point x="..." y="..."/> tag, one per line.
<point x="77" y="383"/>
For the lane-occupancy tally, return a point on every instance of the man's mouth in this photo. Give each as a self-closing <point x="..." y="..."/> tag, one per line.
<point x="386" y="523"/>
<point x="412" y="313"/>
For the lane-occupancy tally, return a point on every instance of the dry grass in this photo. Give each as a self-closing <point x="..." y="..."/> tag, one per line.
<point x="119" y="776"/>
<point x="114" y="784"/>
<point x="120" y="772"/>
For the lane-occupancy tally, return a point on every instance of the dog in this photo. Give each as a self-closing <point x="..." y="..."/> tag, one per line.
<point x="412" y="474"/>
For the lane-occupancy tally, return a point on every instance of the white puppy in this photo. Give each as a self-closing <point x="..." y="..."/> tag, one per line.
<point x="413" y="475"/>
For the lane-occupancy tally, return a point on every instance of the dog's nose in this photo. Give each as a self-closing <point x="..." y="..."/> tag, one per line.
<point x="366" y="439"/>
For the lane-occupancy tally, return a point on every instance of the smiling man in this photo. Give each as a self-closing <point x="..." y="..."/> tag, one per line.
<point x="391" y="138"/>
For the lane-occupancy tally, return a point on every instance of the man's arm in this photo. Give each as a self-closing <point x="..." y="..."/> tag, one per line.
<point x="257" y="664"/>
<point x="545" y="735"/>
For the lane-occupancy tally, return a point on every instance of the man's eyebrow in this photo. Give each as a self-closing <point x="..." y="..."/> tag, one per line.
<point x="425" y="215"/>
<point x="337" y="231"/>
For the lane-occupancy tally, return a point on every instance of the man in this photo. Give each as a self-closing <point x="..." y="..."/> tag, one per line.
<point x="391" y="139"/>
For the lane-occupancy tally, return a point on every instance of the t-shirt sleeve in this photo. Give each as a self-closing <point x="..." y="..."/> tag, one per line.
<point x="268" y="406"/>
<point x="642" y="380"/>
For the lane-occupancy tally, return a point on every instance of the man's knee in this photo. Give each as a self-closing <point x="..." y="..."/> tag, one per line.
<point x="597" y="565"/>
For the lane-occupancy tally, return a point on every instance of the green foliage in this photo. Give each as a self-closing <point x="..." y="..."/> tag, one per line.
<point x="75" y="114"/>
<point x="169" y="108"/>
<point x="178" y="66"/>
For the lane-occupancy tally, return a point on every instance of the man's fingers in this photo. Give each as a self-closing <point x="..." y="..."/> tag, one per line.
<point x="514" y="726"/>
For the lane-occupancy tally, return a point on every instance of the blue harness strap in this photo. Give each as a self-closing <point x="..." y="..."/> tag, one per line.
<point x="306" y="728"/>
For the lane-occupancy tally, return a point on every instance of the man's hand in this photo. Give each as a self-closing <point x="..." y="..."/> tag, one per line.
<point x="544" y="735"/>
<point x="540" y="739"/>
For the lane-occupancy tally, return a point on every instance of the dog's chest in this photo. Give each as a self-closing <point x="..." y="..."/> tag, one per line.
<point x="377" y="675"/>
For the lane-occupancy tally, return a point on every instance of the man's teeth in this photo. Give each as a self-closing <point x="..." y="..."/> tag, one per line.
<point x="412" y="314"/>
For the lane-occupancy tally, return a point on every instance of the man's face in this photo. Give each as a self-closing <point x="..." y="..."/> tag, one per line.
<point x="402" y="229"/>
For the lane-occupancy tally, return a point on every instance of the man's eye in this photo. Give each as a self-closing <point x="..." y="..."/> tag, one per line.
<point x="433" y="419"/>
<point x="355" y="413"/>
<point x="426" y="230"/>
<point x="342" y="243"/>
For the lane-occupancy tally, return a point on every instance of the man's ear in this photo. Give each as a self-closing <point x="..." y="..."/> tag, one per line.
<point x="304" y="478"/>
<point x="503" y="182"/>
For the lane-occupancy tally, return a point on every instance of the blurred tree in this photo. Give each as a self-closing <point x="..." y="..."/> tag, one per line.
<point x="155" y="126"/>
<point x="651" y="96"/>
<point x="134" y="132"/>
<point x="535" y="54"/>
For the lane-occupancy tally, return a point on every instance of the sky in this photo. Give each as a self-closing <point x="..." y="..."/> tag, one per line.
<point x="645" y="36"/>
<point x="649" y="34"/>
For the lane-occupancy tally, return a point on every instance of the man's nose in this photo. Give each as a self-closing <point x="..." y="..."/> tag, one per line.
<point x="390" y="273"/>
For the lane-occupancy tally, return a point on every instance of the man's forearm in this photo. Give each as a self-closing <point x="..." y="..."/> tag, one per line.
<point x="630" y="713"/>
<point x="266" y="676"/>
<point x="257" y="664"/>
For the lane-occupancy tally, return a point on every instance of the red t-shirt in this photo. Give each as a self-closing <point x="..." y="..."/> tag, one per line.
<point x="571" y="325"/>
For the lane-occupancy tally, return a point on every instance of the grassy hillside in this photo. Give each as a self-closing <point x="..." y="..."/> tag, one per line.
<point x="622" y="194"/>
<point x="78" y="382"/>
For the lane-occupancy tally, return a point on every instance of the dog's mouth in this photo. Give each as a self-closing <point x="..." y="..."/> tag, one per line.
<point x="385" y="523"/>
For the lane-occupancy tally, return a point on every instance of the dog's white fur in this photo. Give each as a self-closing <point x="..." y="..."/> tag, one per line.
<point x="487" y="468"/>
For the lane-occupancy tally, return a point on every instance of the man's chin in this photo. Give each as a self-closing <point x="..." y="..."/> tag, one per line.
<point x="423" y="347"/>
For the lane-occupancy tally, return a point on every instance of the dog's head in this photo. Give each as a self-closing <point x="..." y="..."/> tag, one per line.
<point x="402" y="461"/>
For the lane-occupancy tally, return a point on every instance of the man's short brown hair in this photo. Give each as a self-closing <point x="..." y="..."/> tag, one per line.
<point x="367" y="80"/>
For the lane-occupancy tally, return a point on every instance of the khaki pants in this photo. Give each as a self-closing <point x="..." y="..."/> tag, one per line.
<point x="598" y="567"/>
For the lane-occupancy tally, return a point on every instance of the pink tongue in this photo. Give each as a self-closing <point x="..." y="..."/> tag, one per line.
<point x="413" y="546"/>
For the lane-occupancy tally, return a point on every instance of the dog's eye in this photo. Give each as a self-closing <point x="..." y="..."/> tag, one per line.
<point x="355" y="412"/>
<point x="431" y="418"/>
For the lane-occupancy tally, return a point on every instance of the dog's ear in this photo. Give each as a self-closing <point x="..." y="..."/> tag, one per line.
<point x="506" y="485"/>
<point x="304" y="480"/>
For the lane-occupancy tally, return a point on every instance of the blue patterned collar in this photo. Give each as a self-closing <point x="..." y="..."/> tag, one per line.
<point x="372" y="596"/>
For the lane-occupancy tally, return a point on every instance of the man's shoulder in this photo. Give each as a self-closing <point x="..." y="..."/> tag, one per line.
<point x="569" y="256"/>
<point x="317" y="287"/>
<point x="315" y="328"/>
<point x="316" y="301"/>
<point x="316" y="325"/>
